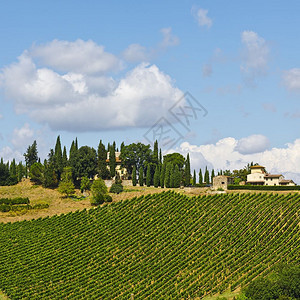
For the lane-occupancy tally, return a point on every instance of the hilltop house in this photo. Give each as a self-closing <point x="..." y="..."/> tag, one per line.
<point x="259" y="176"/>
<point x="121" y="171"/>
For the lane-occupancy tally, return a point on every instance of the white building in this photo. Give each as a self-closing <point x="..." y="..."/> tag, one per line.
<point x="259" y="176"/>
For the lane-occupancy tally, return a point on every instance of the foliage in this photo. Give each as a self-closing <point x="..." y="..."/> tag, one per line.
<point x="103" y="172"/>
<point x="31" y="155"/>
<point x="138" y="155"/>
<point x="86" y="162"/>
<point x="205" y="244"/>
<point x="66" y="185"/>
<point x="141" y="176"/>
<point x="134" y="176"/>
<point x="99" y="190"/>
<point x="13" y="201"/>
<point x="175" y="159"/>
<point x="187" y="171"/>
<point x="107" y="198"/>
<point x="112" y="160"/>
<point x="156" y="178"/>
<point x="85" y="184"/>
<point x="116" y="188"/>
<point x="36" y="173"/>
<point x="148" y="176"/>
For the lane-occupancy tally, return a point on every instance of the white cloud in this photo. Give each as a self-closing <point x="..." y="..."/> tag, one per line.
<point x="291" y="79"/>
<point x="255" y="55"/>
<point x="22" y="136"/>
<point x="8" y="154"/>
<point x="139" y="53"/>
<point x="136" y="53"/>
<point x="252" y="144"/>
<point x="223" y="155"/>
<point x="79" y="57"/>
<point x="79" y="101"/>
<point x="201" y="17"/>
<point x="169" y="39"/>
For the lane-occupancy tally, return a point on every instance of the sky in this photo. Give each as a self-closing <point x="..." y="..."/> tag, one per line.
<point x="219" y="80"/>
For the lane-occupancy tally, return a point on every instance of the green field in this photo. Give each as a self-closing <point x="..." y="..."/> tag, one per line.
<point x="159" y="246"/>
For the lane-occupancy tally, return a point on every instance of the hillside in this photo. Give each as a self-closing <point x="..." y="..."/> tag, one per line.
<point x="159" y="246"/>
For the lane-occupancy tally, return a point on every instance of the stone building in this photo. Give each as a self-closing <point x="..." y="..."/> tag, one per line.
<point x="222" y="181"/>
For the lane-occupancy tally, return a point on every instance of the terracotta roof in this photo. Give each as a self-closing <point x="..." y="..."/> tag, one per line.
<point x="257" y="167"/>
<point x="255" y="181"/>
<point x="273" y="175"/>
<point x="286" y="181"/>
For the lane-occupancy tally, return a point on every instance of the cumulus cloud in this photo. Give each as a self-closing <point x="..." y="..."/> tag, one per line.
<point x="79" y="57"/>
<point x="255" y="55"/>
<point x="139" y="53"/>
<point x="22" y="136"/>
<point x="8" y="154"/>
<point x="224" y="155"/>
<point x="252" y="144"/>
<point x="82" y="99"/>
<point x="201" y="17"/>
<point x="291" y="79"/>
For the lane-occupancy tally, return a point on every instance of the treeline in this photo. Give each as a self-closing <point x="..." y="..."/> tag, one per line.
<point x="11" y="173"/>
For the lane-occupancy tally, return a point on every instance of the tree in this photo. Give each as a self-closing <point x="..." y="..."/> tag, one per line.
<point x="103" y="172"/>
<point x="187" y="171"/>
<point x="134" y="176"/>
<point x="206" y="176"/>
<point x="58" y="158"/>
<point x="177" y="177"/>
<point x="200" y="177"/>
<point x="112" y="160"/>
<point x="138" y="155"/>
<point x="31" y="155"/>
<point x="66" y="185"/>
<point x="86" y="164"/>
<point x="148" y="176"/>
<point x="99" y="190"/>
<point x="4" y="173"/>
<point x="73" y="158"/>
<point x="194" y="178"/>
<point x="155" y="158"/>
<point x="212" y="175"/>
<point x="156" y="179"/>
<point x="85" y="184"/>
<point x="20" y="171"/>
<point x="50" y="178"/>
<point x="36" y="173"/>
<point x="175" y="159"/>
<point x="141" y="176"/>
<point x="116" y="188"/>
<point x="13" y="168"/>
<point x="65" y="158"/>
<point x="168" y="175"/>
<point x="162" y="175"/>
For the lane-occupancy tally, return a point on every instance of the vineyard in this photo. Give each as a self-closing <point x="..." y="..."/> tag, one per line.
<point x="159" y="246"/>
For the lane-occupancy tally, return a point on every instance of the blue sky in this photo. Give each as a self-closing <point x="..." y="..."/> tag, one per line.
<point x="112" y="70"/>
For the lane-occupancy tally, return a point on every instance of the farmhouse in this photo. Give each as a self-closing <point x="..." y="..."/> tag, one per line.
<point x="121" y="171"/>
<point x="259" y="176"/>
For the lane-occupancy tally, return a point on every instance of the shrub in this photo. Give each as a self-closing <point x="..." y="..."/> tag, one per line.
<point x="116" y="188"/>
<point x="108" y="198"/>
<point x="99" y="190"/>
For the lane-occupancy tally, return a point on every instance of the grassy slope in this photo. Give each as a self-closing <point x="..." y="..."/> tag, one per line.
<point x="155" y="247"/>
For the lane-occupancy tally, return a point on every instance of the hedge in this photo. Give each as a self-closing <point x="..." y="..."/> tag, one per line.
<point x="264" y="187"/>
<point x="13" y="201"/>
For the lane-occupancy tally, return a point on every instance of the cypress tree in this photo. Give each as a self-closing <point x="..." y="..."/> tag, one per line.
<point x="187" y="171"/>
<point x="59" y="160"/>
<point x="148" y="176"/>
<point x="172" y="176"/>
<point x="194" y="178"/>
<point x="162" y="175"/>
<point x="65" y="157"/>
<point x="160" y="156"/>
<point x="156" y="177"/>
<point x="76" y="143"/>
<point x="155" y="152"/>
<point x="168" y="175"/>
<point x="200" y="177"/>
<point x="31" y="156"/>
<point x="134" y="176"/>
<point x="13" y="169"/>
<point x="206" y="176"/>
<point x="101" y="161"/>
<point x="112" y="160"/>
<point x="73" y="159"/>
<point x="177" y="177"/>
<point x="141" y="176"/>
<point x="212" y="175"/>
